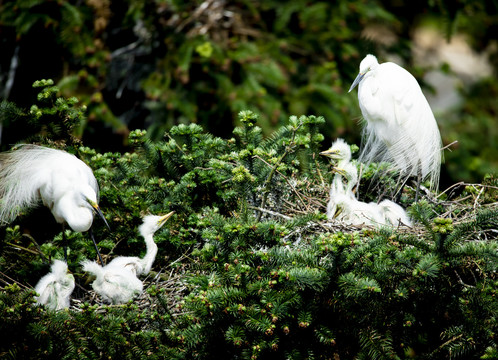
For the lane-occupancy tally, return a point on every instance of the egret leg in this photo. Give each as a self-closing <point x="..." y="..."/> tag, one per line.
<point x="96" y="247"/>
<point x="64" y="242"/>
<point x="419" y="180"/>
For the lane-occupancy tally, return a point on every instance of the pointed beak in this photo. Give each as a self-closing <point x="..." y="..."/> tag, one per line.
<point x="356" y="81"/>
<point x="329" y="153"/>
<point x="97" y="210"/>
<point x="339" y="171"/>
<point x="165" y="218"/>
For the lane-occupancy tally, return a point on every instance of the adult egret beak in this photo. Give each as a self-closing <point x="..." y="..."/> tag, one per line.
<point x="165" y="218"/>
<point x="329" y="152"/>
<point x="97" y="210"/>
<point x="356" y="81"/>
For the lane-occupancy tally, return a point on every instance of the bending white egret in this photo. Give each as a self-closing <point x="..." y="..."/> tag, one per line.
<point x="400" y="127"/>
<point x="65" y="184"/>
<point x="55" y="288"/>
<point x="117" y="282"/>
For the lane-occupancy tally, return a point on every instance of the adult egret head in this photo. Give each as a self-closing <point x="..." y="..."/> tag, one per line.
<point x="55" y="288"/>
<point x="368" y="63"/>
<point x="399" y="126"/>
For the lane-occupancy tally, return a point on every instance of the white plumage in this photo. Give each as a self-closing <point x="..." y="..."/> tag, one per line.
<point x="354" y="212"/>
<point x="142" y="266"/>
<point x="343" y="205"/>
<point x="55" y="288"/>
<point x="63" y="183"/>
<point x="341" y="153"/>
<point x="117" y="282"/>
<point x="394" y="214"/>
<point x="400" y="127"/>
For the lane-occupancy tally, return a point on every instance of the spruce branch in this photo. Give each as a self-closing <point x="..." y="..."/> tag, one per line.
<point x="288" y="149"/>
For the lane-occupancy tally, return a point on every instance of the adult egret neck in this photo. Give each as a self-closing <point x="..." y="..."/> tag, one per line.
<point x="63" y="183"/>
<point x="400" y="127"/>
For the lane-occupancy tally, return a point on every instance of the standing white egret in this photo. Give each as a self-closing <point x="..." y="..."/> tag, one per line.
<point x="400" y="127"/>
<point x="65" y="184"/>
<point x="55" y="288"/>
<point x="117" y="282"/>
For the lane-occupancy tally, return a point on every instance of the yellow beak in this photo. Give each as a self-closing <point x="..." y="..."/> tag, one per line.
<point x="329" y="153"/>
<point x="165" y="218"/>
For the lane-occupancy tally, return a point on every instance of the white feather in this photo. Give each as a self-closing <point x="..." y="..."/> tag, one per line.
<point x="118" y="282"/>
<point x="60" y="180"/>
<point x="55" y="288"/>
<point x="400" y="127"/>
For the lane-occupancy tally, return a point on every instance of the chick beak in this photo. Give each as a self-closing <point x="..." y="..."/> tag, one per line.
<point x="339" y="171"/>
<point x="165" y="218"/>
<point x="329" y="153"/>
<point x="356" y="81"/>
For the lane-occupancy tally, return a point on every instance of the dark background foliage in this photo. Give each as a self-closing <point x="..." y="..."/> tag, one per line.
<point x="154" y="64"/>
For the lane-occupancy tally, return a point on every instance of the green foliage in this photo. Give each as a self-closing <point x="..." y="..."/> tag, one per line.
<point x="257" y="272"/>
<point x="90" y="332"/>
<point x="53" y="118"/>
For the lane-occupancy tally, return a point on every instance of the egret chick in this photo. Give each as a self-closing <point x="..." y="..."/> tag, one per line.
<point x="64" y="184"/>
<point x="55" y="288"/>
<point x="400" y="127"/>
<point x="346" y="207"/>
<point x="354" y="212"/>
<point x="394" y="214"/>
<point x="350" y="175"/>
<point x="117" y="282"/>
<point x="386" y="213"/>
<point x="142" y="266"/>
<point x="340" y="152"/>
